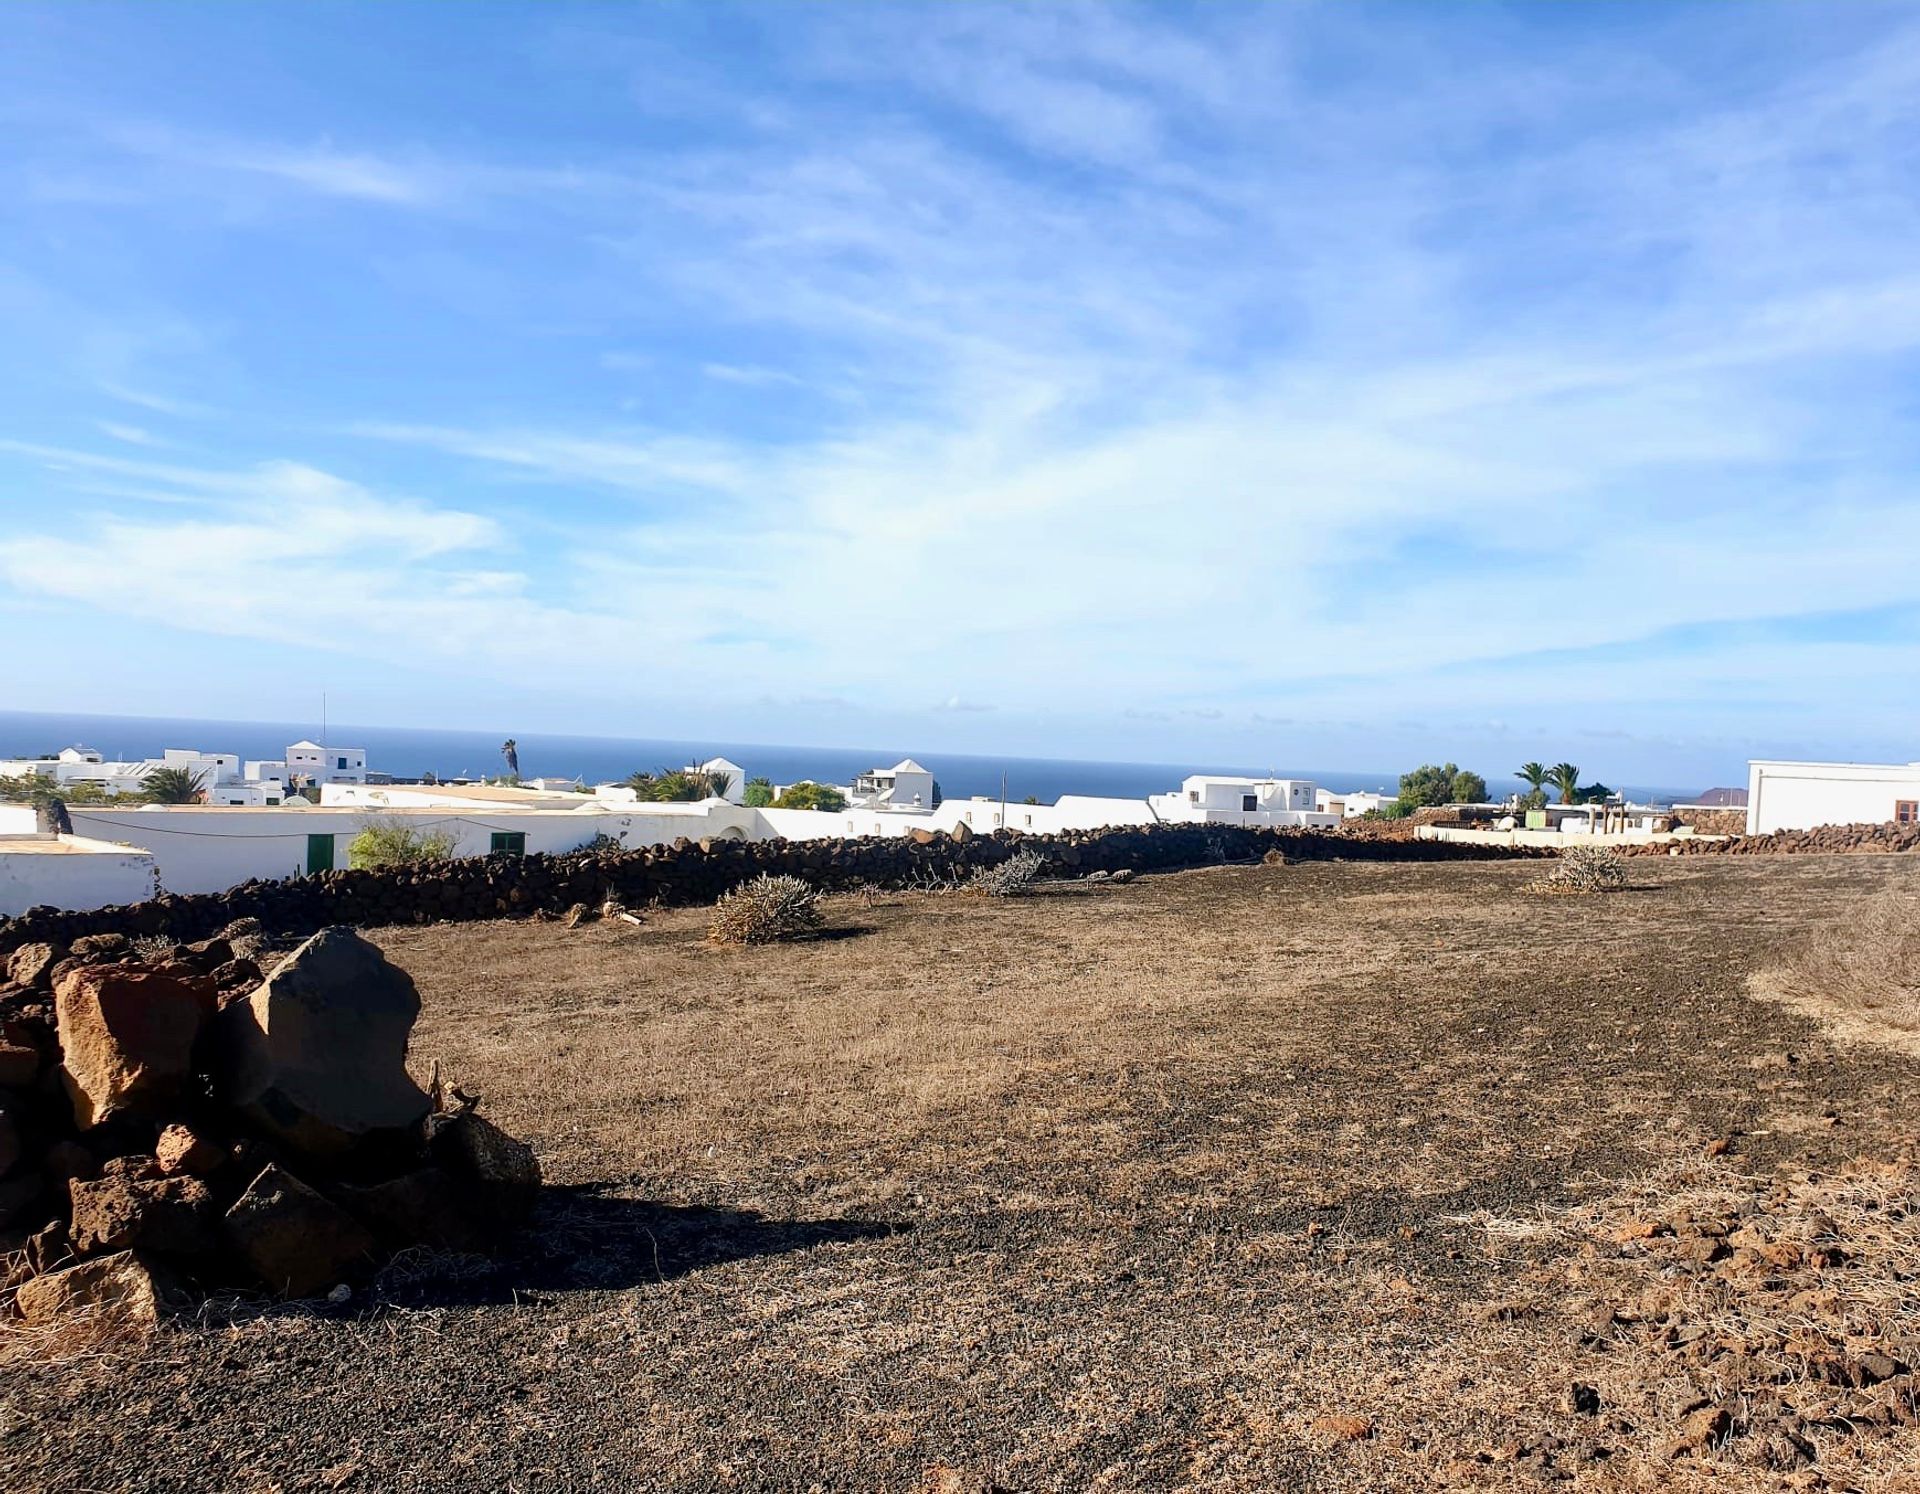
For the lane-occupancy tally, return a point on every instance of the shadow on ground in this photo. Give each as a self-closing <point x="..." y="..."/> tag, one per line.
<point x="587" y="1238"/>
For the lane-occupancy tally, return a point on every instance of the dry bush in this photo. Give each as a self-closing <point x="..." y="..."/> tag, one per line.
<point x="1584" y="869"/>
<point x="765" y="909"/>
<point x="1860" y="973"/>
<point x="1011" y="878"/>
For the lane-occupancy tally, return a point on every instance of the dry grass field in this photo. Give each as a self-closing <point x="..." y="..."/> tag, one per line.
<point x="1335" y="1176"/>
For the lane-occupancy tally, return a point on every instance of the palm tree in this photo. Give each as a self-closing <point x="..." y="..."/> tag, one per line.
<point x="1533" y="776"/>
<point x="1566" y="778"/>
<point x="510" y="750"/>
<point x="172" y="786"/>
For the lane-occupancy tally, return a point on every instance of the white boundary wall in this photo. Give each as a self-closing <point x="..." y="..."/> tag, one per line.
<point x="202" y="848"/>
<point x="1799" y="796"/>
<point x="70" y="871"/>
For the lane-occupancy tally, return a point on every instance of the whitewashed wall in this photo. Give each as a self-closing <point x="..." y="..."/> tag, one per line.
<point x="1799" y="796"/>
<point x="200" y="848"/>
<point x="86" y="874"/>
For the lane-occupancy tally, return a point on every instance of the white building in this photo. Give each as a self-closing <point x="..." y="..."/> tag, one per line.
<point x="904" y="786"/>
<point x="1799" y="796"/>
<point x="309" y="762"/>
<point x="1352" y="804"/>
<point x="67" y="871"/>
<point x="1217" y="799"/>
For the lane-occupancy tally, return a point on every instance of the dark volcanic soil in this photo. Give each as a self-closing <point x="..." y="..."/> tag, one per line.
<point x="1111" y="1188"/>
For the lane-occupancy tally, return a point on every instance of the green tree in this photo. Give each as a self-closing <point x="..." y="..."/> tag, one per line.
<point x="1592" y="793"/>
<point x="172" y="786"/>
<point x="1566" y="778"/>
<point x="1468" y="788"/>
<point x="1443" y="783"/>
<point x="1534" y="776"/>
<point x="758" y="793"/>
<point x="810" y="795"/>
<point x="510" y="750"/>
<point x="393" y="842"/>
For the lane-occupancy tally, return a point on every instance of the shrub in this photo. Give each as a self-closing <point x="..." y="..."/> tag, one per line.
<point x="758" y="794"/>
<point x="767" y="908"/>
<point x="807" y="794"/>
<point x="396" y="843"/>
<point x="1011" y="878"/>
<point x="1585" y="869"/>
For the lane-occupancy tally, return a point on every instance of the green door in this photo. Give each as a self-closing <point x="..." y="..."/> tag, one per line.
<point x="513" y="842"/>
<point x="319" y="853"/>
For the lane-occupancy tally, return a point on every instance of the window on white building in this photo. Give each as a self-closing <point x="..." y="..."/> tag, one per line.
<point x="1906" y="811"/>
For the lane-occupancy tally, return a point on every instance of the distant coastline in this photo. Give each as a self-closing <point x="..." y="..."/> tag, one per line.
<point x="410" y="751"/>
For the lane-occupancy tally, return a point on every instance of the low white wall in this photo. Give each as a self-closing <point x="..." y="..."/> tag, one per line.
<point x="83" y="874"/>
<point x="1799" y="796"/>
<point x="200" y="848"/>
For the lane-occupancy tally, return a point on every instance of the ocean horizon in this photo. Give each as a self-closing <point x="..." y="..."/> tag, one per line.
<point x="408" y="752"/>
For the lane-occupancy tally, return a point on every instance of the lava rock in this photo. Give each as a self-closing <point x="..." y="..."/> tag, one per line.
<point x="427" y="1207"/>
<point x="32" y="964"/>
<point x="114" y="1291"/>
<point x="126" y="1039"/>
<point x="317" y="1056"/>
<point x="296" y="1241"/>
<point x="501" y="1170"/>
<point x="171" y="1216"/>
<point x="182" y="1149"/>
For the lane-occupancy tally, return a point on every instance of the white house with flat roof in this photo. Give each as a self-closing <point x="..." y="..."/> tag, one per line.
<point x="1222" y="799"/>
<point x="309" y="762"/>
<point x="1800" y="796"/>
<point x="904" y="786"/>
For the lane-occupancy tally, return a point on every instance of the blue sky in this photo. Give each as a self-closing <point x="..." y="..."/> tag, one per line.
<point x="1345" y="384"/>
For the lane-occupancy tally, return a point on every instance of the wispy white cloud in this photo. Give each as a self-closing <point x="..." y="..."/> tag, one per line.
<point x="133" y="435"/>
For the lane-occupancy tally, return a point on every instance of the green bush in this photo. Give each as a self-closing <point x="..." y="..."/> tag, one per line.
<point x="758" y="793"/>
<point x="396" y="843"/>
<point x="810" y="795"/>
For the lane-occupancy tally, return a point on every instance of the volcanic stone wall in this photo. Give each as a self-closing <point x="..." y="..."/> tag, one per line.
<point x="689" y="872"/>
<point x="1823" y="840"/>
<point x="1713" y="821"/>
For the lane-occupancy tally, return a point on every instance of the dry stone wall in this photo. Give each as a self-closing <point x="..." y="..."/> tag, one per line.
<point x="1823" y="840"/>
<point x="689" y="873"/>
<point x="1713" y="821"/>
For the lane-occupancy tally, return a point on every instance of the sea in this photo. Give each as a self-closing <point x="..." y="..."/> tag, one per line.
<point x="408" y="752"/>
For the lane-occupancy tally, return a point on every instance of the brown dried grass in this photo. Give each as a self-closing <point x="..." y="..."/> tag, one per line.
<point x="1859" y="972"/>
